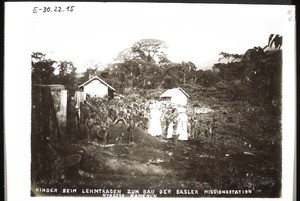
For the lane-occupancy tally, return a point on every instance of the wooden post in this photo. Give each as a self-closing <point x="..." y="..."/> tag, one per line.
<point x="62" y="114"/>
<point x="45" y="114"/>
<point x="56" y="135"/>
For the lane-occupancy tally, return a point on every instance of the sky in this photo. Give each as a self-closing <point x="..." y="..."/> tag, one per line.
<point x="94" y="33"/>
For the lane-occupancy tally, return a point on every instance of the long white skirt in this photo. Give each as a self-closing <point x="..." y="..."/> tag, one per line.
<point x="182" y="128"/>
<point x="170" y="130"/>
<point x="155" y="127"/>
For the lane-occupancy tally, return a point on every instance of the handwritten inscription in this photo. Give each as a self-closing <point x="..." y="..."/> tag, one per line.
<point x="54" y="9"/>
<point x="291" y="15"/>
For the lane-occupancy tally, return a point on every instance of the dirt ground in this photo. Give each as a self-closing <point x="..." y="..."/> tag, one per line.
<point x="246" y="155"/>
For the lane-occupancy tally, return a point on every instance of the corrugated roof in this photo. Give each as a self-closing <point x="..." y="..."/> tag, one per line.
<point x="96" y="77"/>
<point x="172" y="92"/>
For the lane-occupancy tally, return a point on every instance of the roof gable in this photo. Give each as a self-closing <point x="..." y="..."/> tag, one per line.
<point x="172" y="92"/>
<point x="97" y="78"/>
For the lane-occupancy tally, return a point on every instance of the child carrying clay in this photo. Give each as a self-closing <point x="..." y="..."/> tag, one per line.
<point x="89" y="124"/>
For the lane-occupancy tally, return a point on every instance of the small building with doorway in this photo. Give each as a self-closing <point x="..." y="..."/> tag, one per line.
<point x="96" y="87"/>
<point x="176" y="96"/>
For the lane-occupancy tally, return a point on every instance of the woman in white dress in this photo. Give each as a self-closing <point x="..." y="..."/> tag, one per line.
<point x="182" y="124"/>
<point x="155" y="128"/>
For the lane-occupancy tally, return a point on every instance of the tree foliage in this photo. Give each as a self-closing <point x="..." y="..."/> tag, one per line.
<point x="66" y="75"/>
<point x="228" y="56"/>
<point x="145" y="51"/>
<point x="254" y="76"/>
<point x="42" y="69"/>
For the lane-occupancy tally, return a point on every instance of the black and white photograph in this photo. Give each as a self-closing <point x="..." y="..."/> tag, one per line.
<point x="160" y="100"/>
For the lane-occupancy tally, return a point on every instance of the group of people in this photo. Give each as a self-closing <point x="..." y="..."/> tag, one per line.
<point x="153" y="117"/>
<point x="168" y="121"/>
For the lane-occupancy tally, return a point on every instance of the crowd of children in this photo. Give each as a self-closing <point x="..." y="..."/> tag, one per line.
<point x="153" y="117"/>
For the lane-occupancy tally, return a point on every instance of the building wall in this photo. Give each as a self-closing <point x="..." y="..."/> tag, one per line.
<point x="179" y="98"/>
<point x="96" y="88"/>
